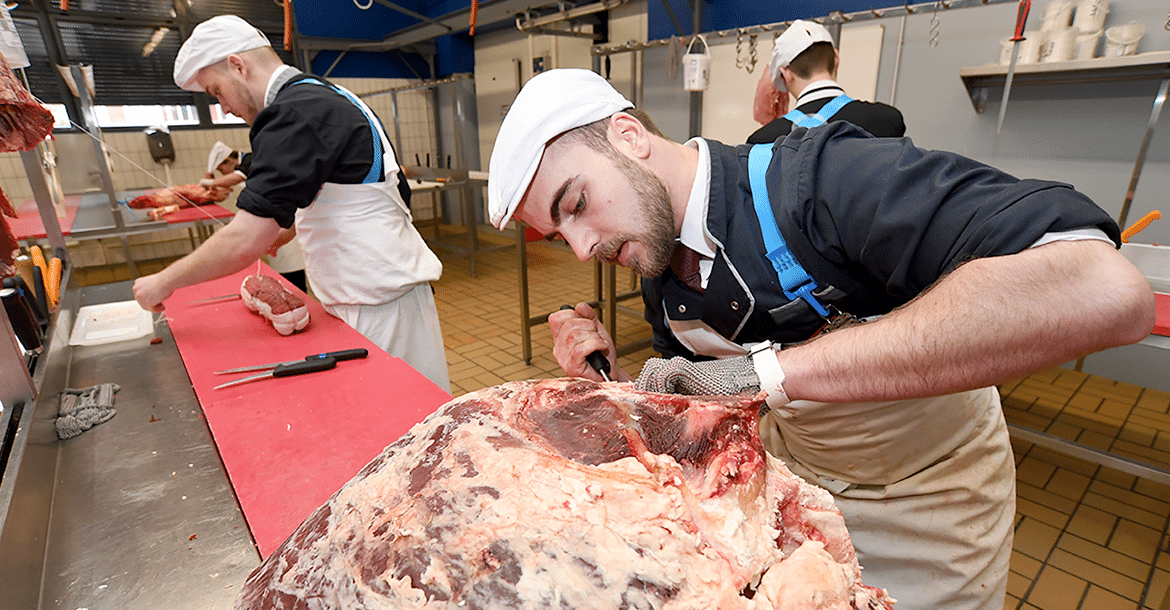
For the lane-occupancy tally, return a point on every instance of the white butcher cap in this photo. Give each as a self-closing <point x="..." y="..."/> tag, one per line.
<point x="210" y="43"/>
<point x="550" y="104"/>
<point x="798" y="37"/>
<point x="219" y="153"/>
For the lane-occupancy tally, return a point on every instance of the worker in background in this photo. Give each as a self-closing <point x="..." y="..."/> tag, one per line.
<point x="233" y="165"/>
<point x="319" y="157"/>
<point x="805" y="62"/>
<point x="965" y="277"/>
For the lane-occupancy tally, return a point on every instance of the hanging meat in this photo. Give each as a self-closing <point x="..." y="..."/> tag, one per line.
<point x="23" y="124"/>
<point x="568" y="493"/>
<point x="182" y="196"/>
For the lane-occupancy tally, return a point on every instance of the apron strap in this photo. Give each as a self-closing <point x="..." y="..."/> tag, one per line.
<point x="375" y="169"/>
<point x="826" y="112"/>
<point x="794" y="280"/>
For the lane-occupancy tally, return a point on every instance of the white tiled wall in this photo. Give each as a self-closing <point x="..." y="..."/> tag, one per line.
<point x="133" y="168"/>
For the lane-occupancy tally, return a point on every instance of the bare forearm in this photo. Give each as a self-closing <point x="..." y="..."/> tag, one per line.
<point x="990" y="321"/>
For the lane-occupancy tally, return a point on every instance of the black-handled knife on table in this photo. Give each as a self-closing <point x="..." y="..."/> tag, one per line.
<point x="345" y="354"/>
<point x="286" y="370"/>
<point x="310" y="364"/>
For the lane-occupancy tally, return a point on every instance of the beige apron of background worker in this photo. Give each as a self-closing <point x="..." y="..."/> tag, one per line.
<point x="369" y="266"/>
<point x="926" y="486"/>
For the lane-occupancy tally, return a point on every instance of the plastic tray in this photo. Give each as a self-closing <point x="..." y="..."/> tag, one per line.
<point x="110" y="323"/>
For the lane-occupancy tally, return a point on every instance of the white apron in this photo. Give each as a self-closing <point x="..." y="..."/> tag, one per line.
<point x="926" y="486"/>
<point x="363" y="255"/>
<point x="359" y="243"/>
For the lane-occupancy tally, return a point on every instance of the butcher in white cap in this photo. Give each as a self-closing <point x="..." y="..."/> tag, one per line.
<point x="757" y="262"/>
<point x="804" y="62"/>
<point x="322" y="171"/>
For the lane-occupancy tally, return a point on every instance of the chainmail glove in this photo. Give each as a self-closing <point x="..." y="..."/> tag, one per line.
<point x="85" y="408"/>
<point x="678" y="375"/>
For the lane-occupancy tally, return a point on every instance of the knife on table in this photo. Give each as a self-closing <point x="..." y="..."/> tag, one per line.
<point x="1021" y="18"/>
<point x="300" y="367"/>
<point x="338" y="356"/>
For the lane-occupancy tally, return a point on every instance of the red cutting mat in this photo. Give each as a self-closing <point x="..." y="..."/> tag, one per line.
<point x="1162" y="326"/>
<point x="289" y="443"/>
<point x="29" y="225"/>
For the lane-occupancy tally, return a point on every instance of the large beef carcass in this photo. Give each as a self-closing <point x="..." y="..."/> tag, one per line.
<point x="567" y="494"/>
<point x="182" y="196"/>
<point x="24" y="123"/>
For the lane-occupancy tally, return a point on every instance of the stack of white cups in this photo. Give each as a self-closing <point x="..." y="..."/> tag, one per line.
<point x="1058" y="37"/>
<point x="1089" y="24"/>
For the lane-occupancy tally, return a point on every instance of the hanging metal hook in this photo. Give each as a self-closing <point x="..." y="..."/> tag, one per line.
<point x="739" y="61"/>
<point x="934" y="23"/>
<point x="751" y="62"/>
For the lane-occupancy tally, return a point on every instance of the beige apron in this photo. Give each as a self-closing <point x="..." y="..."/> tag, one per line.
<point x="926" y="486"/>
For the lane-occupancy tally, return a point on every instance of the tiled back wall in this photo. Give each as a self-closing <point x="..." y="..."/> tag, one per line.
<point x="129" y="148"/>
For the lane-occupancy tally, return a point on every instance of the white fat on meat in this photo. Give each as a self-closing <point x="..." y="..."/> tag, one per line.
<point x="266" y="296"/>
<point x="567" y="493"/>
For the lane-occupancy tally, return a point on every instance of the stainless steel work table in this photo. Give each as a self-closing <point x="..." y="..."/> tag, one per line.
<point x="135" y="513"/>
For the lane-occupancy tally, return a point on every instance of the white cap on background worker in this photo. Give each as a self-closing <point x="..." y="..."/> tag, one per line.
<point x="543" y="110"/>
<point x="219" y="153"/>
<point x="210" y="43"/>
<point x="798" y="37"/>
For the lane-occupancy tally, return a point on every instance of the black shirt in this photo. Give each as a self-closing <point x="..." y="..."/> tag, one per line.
<point x="309" y="135"/>
<point x="881" y="120"/>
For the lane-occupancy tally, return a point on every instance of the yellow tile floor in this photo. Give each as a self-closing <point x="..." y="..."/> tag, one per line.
<point x="1087" y="537"/>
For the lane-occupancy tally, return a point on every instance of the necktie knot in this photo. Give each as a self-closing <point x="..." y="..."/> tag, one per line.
<point x="684" y="262"/>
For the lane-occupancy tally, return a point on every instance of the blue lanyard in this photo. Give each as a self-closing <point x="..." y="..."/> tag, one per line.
<point x="826" y="112"/>
<point x="376" y="169"/>
<point x="794" y="280"/>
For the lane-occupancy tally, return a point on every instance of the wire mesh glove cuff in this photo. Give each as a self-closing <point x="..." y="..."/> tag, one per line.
<point x="678" y="375"/>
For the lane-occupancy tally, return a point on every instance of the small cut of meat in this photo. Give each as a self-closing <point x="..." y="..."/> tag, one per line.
<point x="8" y="242"/>
<point x="182" y="196"/>
<point x="566" y="494"/>
<point x="269" y="298"/>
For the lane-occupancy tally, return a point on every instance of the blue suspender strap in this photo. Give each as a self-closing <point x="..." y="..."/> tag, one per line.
<point x="794" y="280"/>
<point x="376" y="168"/>
<point x="822" y="116"/>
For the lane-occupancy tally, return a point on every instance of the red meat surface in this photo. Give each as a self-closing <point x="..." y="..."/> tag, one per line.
<point x="567" y="493"/>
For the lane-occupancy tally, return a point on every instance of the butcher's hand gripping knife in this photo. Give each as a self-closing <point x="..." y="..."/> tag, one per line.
<point x="596" y="359"/>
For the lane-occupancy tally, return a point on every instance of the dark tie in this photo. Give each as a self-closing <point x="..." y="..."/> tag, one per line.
<point x="684" y="262"/>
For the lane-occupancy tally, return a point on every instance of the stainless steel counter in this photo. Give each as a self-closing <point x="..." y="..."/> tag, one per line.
<point x="140" y="512"/>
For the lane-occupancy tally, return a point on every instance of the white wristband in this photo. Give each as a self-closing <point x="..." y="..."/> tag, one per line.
<point x="770" y="374"/>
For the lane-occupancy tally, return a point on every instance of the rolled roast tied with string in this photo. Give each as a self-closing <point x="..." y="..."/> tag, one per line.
<point x="267" y="297"/>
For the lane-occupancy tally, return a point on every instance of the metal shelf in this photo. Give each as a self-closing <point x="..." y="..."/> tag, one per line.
<point x="1144" y="66"/>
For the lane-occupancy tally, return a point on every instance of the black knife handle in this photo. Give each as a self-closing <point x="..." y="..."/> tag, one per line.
<point x="21" y="318"/>
<point x="39" y="288"/>
<point x="305" y="366"/>
<point x="596" y="358"/>
<point x="345" y="354"/>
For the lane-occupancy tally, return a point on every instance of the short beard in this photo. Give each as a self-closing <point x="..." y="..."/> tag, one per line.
<point x="653" y="205"/>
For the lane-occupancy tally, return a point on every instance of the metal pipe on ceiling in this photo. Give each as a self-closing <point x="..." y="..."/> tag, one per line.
<point x="834" y="18"/>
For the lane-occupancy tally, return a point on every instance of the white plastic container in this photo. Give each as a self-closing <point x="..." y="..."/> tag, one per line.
<point x="1061" y="45"/>
<point x="1058" y="14"/>
<point x="1090" y="16"/>
<point x="697" y="66"/>
<point x="111" y="322"/>
<point x="1030" y="47"/>
<point x="1086" y="44"/>
<point x="1122" y="40"/>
